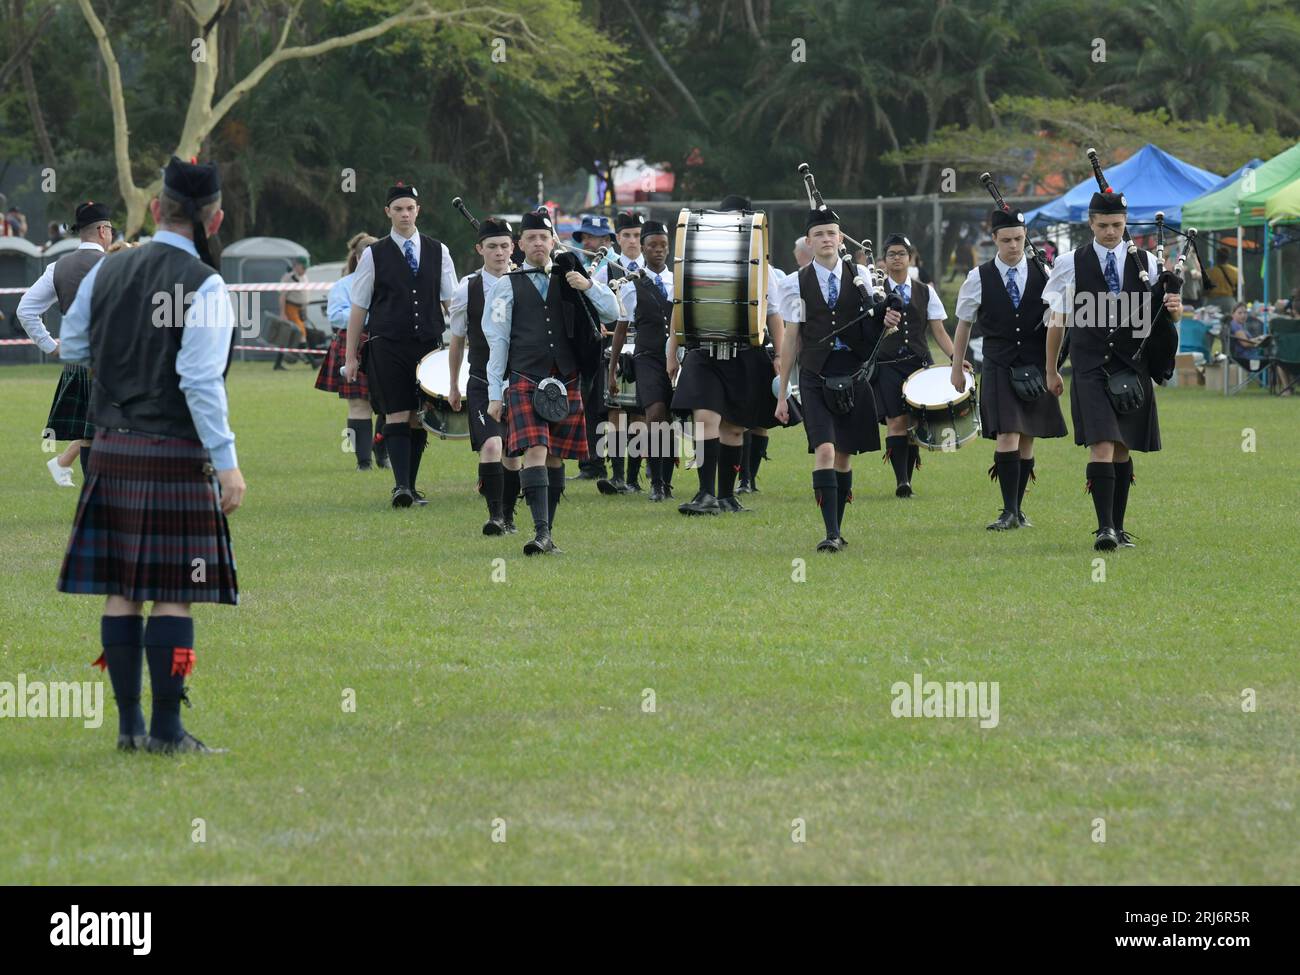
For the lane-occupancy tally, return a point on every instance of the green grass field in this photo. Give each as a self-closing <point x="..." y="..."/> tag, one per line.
<point x="522" y="700"/>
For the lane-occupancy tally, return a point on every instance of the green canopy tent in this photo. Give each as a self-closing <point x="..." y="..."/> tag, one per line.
<point x="1284" y="205"/>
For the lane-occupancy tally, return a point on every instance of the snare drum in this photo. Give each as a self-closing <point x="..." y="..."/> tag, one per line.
<point x="434" y="376"/>
<point x="622" y="396"/>
<point x="720" y="275"/>
<point x="942" y="418"/>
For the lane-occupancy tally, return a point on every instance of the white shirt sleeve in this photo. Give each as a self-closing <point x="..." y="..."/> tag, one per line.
<point x="627" y="298"/>
<point x="363" y="280"/>
<point x="789" y="302"/>
<point x="969" y="297"/>
<point x="459" y="324"/>
<point x="447" y="286"/>
<point x="38" y="299"/>
<point x="773" y="293"/>
<point x="1058" y="293"/>
<point x="935" y="308"/>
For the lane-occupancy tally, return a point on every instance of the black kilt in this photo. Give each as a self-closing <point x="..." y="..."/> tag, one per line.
<point x="739" y="388"/>
<point x="855" y="432"/>
<point x="1095" y="420"/>
<point x="887" y="384"/>
<point x="482" y="427"/>
<point x="390" y="365"/>
<point x="68" y="411"/>
<point x="652" y="382"/>
<point x="329" y="380"/>
<point x="1002" y="411"/>
<point x="147" y="510"/>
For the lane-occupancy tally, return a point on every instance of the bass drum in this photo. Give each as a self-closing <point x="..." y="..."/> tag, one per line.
<point x="942" y="418"/>
<point x="720" y="275"/>
<point x="434" y="376"/>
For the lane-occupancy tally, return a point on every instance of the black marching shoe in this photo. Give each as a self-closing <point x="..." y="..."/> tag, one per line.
<point x="1024" y="521"/>
<point x="494" y="527"/>
<point x="1006" y="522"/>
<point x="185" y="744"/>
<point x="668" y="491"/>
<point x="610" y="485"/>
<point x="380" y="450"/>
<point x="365" y="467"/>
<point x="702" y="504"/>
<point x="540" y="544"/>
<point x="420" y="499"/>
<point x="744" y="487"/>
<point x="1107" y="540"/>
<point x="588" y="474"/>
<point x="731" y="505"/>
<point x="402" y="497"/>
<point x="657" y="492"/>
<point x="631" y="487"/>
<point x="508" y="526"/>
<point x="131" y="743"/>
<point x="829" y="545"/>
<point x="903" y="490"/>
<point x="844" y="542"/>
<point x="1126" y="540"/>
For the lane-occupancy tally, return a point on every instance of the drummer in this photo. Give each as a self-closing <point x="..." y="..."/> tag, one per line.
<point x="1005" y="297"/>
<point x="648" y="304"/>
<point x="404" y="281"/>
<point x="829" y="333"/>
<point x="498" y="475"/>
<point x="902" y="353"/>
<point x="727" y="387"/>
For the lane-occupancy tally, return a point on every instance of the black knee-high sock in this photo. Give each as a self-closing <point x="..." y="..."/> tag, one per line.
<point x="169" y="648"/>
<point x="728" y="468"/>
<point x="633" y="469"/>
<point x="1123" y="478"/>
<point x="1006" y="465"/>
<point x="509" y="492"/>
<point x="397" y="438"/>
<point x="898" y="456"/>
<point x="555" y="488"/>
<point x="1101" y="482"/>
<point x="1026" y="475"/>
<point x="844" y="485"/>
<point x="83" y="456"/>
<point x="535" y="484"/>
<point x="757" y="454"/>
<point x="491" y="480"/>
<point x="616" y="463"/>
<point x="826" y="490"/>
<point x="362" y="440"/>
<point x="419" y="438"/>
<point x="667" y="463"/>
<point x="708" y="470"/>
<point x="123" y="640"/>
<point x="745" y="453"/>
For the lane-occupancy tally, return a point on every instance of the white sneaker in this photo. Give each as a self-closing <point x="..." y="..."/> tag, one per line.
<point x="62" y="475"/>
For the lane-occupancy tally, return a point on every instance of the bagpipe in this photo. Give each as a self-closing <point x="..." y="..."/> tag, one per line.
<point x="582" y="314"/>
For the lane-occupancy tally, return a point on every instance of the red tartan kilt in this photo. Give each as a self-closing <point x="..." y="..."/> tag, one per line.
<point x="331" y="381"/>
<point x="566" y="439"/>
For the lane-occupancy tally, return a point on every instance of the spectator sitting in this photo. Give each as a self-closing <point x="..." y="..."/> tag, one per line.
<point x="1247" y="344"/>
<point x="1290" y="307"/>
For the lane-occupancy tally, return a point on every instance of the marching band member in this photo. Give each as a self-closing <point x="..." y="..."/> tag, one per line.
<point x="902" y="353"/>
<point x="628" y="229"/>
<point x="163" y="475"/>
<point x="530" y="330"/>
<point x="727" y="388"/>
<point x="498" y="475"/>
<point x="648" y="304"/>
<point x="58" y="285"/>
<point x="1004" y="296"/>
<point x="828" y="333"/>
<point x="404" y="282"/>
<point x="338" y="307"/>
<point x="592" y="234"/>
<point x="1083" y="290"/>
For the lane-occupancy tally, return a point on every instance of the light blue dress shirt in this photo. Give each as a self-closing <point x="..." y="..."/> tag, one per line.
<point x="499" y="309"/>
<point x="338" y="304"/>
<point x="201" y="362"/>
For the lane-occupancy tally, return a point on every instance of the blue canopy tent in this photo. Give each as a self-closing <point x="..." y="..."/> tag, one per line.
<point x="1150" y="179"/>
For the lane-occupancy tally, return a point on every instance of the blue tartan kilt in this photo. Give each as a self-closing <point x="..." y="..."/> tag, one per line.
<point x="68" y="412"/>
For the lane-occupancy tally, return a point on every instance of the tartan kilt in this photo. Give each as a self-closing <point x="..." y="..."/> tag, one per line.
<point x="329" y="380"/>
<point x="147" y="511"/>
<point x="524" y="428"/>
<point x="68" y="412"/>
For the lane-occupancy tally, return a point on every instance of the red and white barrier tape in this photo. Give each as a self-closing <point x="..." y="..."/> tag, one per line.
<point x="238" y="348"/>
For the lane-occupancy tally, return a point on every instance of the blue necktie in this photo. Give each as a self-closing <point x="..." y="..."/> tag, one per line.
<point x="1013" y="289"/>
<point x="631" y="265"/>
<point x="1112" y="273"/>
<point x="904" y="293"/>
<point x="659" y="282"/>
<point x="832" y="290"/>
<point x="409" y="249"/>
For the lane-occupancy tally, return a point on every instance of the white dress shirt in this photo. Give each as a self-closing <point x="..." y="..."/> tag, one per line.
<point x="934" y="309"/>
<point x="1059" y="290"/>
<point x="791" y="304"/>
<point x="363" y="280"/>
<point x="39" y="299"/>
<point x="971" y="294"/>
<point x="459" y="319"/>
<point x="627" y="295"/>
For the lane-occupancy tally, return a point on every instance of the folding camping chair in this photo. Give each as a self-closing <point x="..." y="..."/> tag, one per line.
<point x="1286" y="353"/>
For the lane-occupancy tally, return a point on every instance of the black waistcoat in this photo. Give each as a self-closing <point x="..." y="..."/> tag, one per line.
<point x="133" y="360"/>
<point x="474" y="337"/>
<point x="1096" y="312"/>
<point x="820" y="320"/>
<point x="651" y="318"/>
<point x="68" y="272"/>
<point x="910" y="338"/>
<point x="539" y="331"/>
<point x="1011" y="335"/>
<point x="405" y="305"/>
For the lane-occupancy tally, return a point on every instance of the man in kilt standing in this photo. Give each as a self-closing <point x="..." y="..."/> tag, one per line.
<point x="1099" y="292"/>
<point x="151" y="521"/>
<point x="1005" y="297"/>
<point x="58" y="285"/>
<point x="532" y="328"/>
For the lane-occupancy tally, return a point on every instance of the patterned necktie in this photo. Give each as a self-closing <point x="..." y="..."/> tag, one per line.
<point x="1112" y="273"/>
<point x="833" y="290"/>
<point x="1013" y="289"/>
<point x="409" y="250"/>
<point x="631" y="265"/>
<point x="903" y="292"/>
<point x="659" y="283"/>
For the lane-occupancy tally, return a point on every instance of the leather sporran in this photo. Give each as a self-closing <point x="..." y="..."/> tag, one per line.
<point x="1027" y="383"/>
<point x="1124" y="389"/>
<point x="551" y="400"/>
<point x="838" y="392"/>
